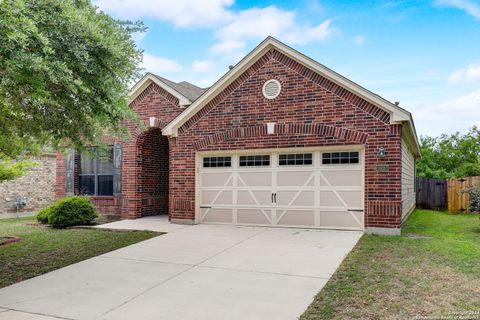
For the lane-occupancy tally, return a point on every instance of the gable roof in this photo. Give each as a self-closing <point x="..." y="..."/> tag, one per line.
<point x="397" y="114"/>
<point x="184" y="91"/>
<point x="187" y="89"/>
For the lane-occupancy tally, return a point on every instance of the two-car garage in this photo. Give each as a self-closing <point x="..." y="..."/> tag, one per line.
<point x="301" y="187"/>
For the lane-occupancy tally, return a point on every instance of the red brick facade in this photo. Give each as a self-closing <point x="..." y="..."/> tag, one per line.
<point x="310" y="111"/>
<point x="144" y="160"/>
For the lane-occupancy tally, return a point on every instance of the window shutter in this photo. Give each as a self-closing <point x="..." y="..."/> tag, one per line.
<point x="117" y="169"/>
<point x="69" y="171"/>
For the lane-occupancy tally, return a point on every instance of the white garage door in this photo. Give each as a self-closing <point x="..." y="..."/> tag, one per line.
<point x="314" y="189"/>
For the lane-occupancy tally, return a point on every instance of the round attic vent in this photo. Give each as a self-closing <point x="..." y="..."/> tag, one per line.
<point x="271" y="89"/>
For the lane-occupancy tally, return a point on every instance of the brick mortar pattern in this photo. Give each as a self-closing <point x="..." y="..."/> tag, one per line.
<point x="38" y="185"/>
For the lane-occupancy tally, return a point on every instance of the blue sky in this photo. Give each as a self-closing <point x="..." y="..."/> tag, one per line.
<point x="425" y="54"/>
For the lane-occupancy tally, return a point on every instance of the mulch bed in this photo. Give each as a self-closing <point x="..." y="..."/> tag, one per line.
<point x="8" y="240"/>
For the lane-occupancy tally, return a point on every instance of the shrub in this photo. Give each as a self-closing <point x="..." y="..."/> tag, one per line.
<point x="475" y="200"/>
<point x="42" y="215"/>
<point x="70" y="211"/>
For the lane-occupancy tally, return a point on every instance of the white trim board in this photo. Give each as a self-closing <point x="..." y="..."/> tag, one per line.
<point x="150" y="78"/>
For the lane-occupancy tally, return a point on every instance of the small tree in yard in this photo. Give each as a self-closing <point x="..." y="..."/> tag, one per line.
<point x="450" y="156"/>
<point x="65" y="70"/>
<point x="11" y="170"/>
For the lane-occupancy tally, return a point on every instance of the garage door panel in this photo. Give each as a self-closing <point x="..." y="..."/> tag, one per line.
<point x="295" y="178"/>
<point x="330" y="199"/>
<point x="216" y="179"/>
<point x="217" y="197"/>
<point x="255" y="179"/>
<point x="289" y="217"/>
<point x="254" y="216"/>
<point x="295" y="198"/>
<point x="353" y="199"/>
<point x="217" y="215"/>
<point x="254" y="197"/>
<point x="342" y="177"/>
<point x="341" y="219"/>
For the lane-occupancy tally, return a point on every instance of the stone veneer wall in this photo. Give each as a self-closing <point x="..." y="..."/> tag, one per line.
<point x="38" y="185"/>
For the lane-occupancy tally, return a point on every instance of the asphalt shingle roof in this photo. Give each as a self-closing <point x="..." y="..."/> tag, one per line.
<point x="186" y="89"/>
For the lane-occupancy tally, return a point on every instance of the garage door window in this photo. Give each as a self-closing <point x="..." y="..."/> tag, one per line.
<point x="297" y="159"/>
<point x="254" y="161"/>
<point x="217" y="162"/>
<point x="340" y="157"/>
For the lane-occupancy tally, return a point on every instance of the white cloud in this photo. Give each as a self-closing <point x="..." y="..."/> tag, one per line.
<point x="457" y="114"/>
<point x="468" y="6"/>
<point x="467" y="74"/>
<point x="182" y="13"/>
<point x="467" y="106"/>
<point x="258" y="23"/>
<point x="160" y="65"/>
<point x="359" y="40"/>
<point x="228" y="46"/>
<point x="200" y="72"/>
<point x="232" y="29"/>
<point x="201" y="65"/>
<point x="138" y="36"/>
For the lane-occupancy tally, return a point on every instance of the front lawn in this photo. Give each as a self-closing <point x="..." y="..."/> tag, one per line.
<point x="43" y="249"/>
<point x="433" y="269"/>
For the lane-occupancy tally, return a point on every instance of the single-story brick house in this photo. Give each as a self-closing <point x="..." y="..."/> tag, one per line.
<point x="279" y="140"/>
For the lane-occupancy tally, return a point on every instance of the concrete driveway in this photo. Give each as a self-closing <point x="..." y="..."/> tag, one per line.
<point x="193" y="272"/>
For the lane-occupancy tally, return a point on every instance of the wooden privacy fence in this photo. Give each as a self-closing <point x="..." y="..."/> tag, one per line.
<point x="431" y="193"/>
<point x="458" y="193"/>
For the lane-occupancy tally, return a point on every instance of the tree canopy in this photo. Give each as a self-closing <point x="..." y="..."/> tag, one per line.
<point x="450" y="156"/>
<point x="65" y="71"/>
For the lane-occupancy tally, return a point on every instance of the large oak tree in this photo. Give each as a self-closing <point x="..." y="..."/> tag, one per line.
<point x="65" y="70"/>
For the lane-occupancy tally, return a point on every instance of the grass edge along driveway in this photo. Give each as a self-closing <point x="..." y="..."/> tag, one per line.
<point x="44" y="249"/>
<point x="432" y="269"/>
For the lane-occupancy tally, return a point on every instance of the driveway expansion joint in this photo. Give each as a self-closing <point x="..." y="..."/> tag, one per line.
<point x="37" y="313"/>
<point x="144" y="260"/>
<point x="263" y="272"/>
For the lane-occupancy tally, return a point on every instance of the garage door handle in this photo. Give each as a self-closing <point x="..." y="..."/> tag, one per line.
<point x="274" y="198"/>
<point x="205" y="207"/>
<point x="356" y="210"/>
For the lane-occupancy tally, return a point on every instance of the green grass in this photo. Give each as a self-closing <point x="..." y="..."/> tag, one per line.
<point x="433" y="269"/>
<point x="43" y="249"/>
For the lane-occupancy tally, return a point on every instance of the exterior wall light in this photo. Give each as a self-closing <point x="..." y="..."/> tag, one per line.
<point x="382" y="152"/>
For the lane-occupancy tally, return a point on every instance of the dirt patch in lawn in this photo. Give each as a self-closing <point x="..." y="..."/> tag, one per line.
<point x="7" y="240"/>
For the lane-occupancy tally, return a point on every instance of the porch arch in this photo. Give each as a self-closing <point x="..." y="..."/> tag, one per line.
<point x="153" y="172"/>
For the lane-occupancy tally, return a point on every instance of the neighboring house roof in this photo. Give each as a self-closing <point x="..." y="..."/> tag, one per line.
<point x="184" y="91"/>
